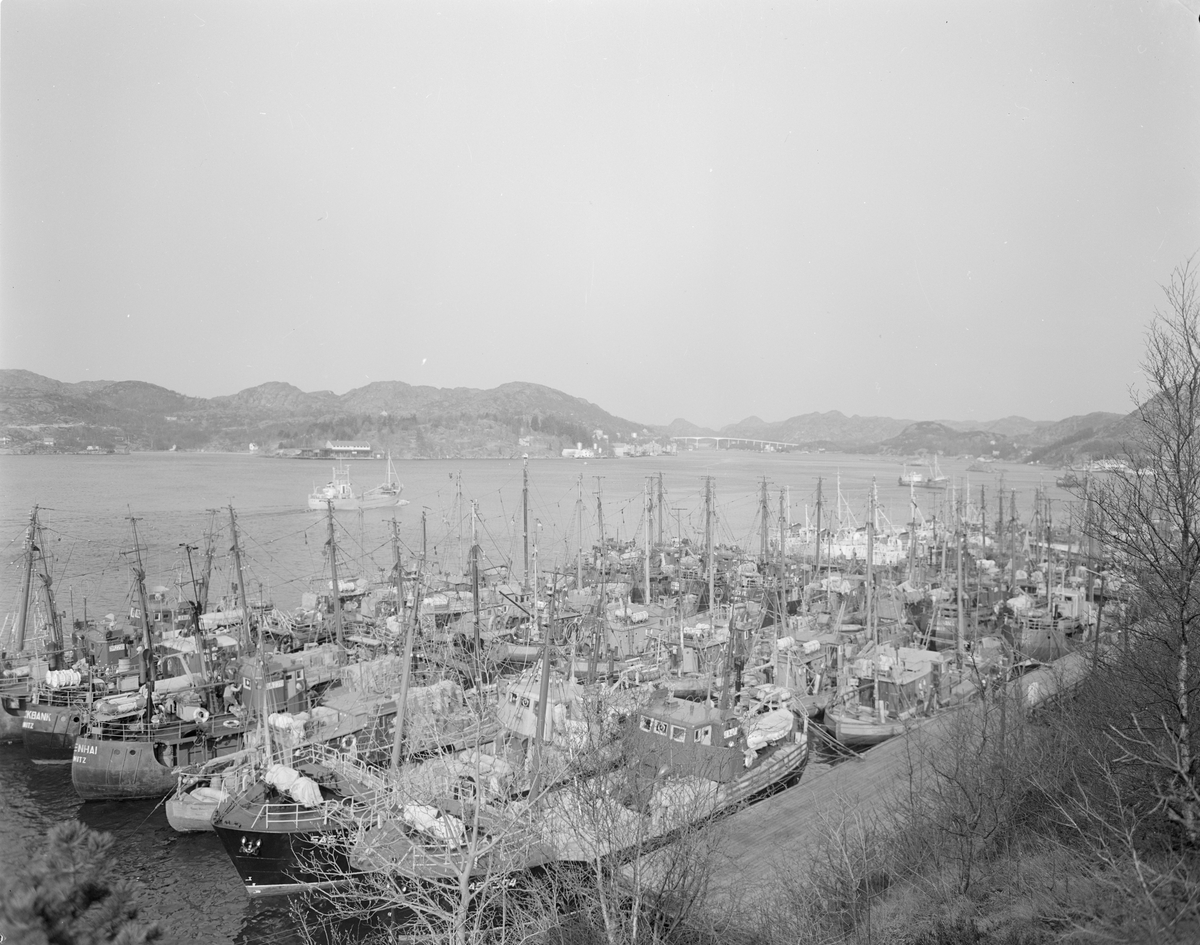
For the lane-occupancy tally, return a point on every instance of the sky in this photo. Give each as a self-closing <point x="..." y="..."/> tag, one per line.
<point x="707" y="210"/>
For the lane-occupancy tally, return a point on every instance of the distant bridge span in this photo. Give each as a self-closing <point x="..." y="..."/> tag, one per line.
<point x="716" y="442"/>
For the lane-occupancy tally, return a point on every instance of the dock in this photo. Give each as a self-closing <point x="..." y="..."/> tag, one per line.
<point x="778" y="836"/>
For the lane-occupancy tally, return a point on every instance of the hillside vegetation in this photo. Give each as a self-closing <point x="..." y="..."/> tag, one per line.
<point x="419" y="421"/>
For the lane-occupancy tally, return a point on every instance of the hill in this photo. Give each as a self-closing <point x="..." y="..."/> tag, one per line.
<point x="409" y="420"/>
<point x="39" y="412"/>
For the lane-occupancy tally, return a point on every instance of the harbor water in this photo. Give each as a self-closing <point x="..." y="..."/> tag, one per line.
<point x="86" y="502"/>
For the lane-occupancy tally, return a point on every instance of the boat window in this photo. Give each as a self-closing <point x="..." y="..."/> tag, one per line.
<point x="678" y="733"/>
<point x="703" y="736"/>
<point x="512" y="697"/>
<point x="525" y="701"/>
<point x="644" y="723"/>
<point x="660" y="727"/>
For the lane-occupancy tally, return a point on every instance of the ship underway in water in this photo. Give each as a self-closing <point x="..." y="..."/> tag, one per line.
<point x="339" y="492"/>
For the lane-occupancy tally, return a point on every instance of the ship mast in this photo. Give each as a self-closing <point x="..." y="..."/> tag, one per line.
<point x="206" y="575"/>
<point x="55" y="656"/>
<point x="817" y="559"/>
<point x="646" y="562"/>
<point x="23" y="616"/>
<point x="337" y="588"/>
<point x="409" y="632"/>
<point x="872" y="628"/>
<point x="579" y="527"/>
<point x="708" y="547"/>
<point x="524" y="519"/>
<point x="241" y="584"/>
<point x="147" y="641"/>
<point x="475" y="584"/>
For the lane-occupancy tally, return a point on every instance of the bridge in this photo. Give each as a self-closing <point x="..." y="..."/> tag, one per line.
<point x="714" y="442"/>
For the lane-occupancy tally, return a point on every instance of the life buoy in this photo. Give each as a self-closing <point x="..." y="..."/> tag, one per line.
<point x="349" y="743"/>
<point x="230" y="723"/>
<point x="201" y="716"/>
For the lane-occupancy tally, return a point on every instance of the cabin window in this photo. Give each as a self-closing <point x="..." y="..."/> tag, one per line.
<point x="678" y="733"/>
<point x="644" y="723"/>
<point x="660" y="727"/>
<point x="512" y="697"/>
<point x="525" y="702"/>
<point x="703" y="736"/>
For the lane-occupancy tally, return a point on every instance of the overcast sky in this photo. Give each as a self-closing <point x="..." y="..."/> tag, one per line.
<point x="702" y="210"/>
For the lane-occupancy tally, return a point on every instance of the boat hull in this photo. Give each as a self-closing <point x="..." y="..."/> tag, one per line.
<point x="49" y="731"/>
<point x="185" y="814"/>
<point x="280" y="862"/>
<point x="856" y="732"/>
<point x="321" y="504"/>
<point x="12" y="716"/>
<point x="127" y="770"/>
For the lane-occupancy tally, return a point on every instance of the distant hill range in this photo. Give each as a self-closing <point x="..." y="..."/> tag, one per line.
<point x="39" y="413"/>
<point x="411" y="421"/>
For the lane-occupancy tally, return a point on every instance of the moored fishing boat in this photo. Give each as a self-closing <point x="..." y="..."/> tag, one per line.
<point x="284" y="831"/>
<point x="687" y="763"/>
<point x="14" y="693"/>
<point x="200" y="790"/>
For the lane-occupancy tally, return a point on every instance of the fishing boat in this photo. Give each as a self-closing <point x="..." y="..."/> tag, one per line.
<point x="688" y="762"/>
<point x="679" y="763"/>
<point x="200" y="790"/>
<point x="933" y="479"/>
<point x="284" y="831"/>
<point x="339" y="492"/>
<point x="910" y="477"/>
<point x="42" y="693"/>
<point x="889" y="688"/>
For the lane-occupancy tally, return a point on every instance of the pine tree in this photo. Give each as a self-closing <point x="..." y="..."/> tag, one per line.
<point x="72" y="894"/>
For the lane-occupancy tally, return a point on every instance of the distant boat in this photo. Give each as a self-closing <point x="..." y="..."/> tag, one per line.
<point x="911" y="477"/>
<point x="934" y="479"/>
<point x="340" y="492"/>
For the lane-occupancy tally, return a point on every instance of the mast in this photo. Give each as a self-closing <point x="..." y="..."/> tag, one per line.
<point x="1012" y="540"/>
<point x="524" y="519"/>
<point x="646" y="561"/>
<point x="600" y="525"/>
<point x="912" y="531"/>
<point x="782" y="572"/>
<point x="147" y="641"/>
<point x="817" y="559"/>
<point x="23" y="616"/>
<point x="337" y="587"/>
<point x="475" y="582"/>
<point x="764" y="525"/>
<point x="424" y="537"/>
<point x="543" y="688"/>
<point x="209" y="552"/>
<point x="660" y="509"/>
<point x="237" y="563"/>
<point x="409" y="632"/>
<point x="708" y="546"/>
<point x="459" y="515"/>
<point x="55" y="656"/>
<point x="872" y="627"/>
<point x="579" y="528"/>
<point x="961" y="625"/>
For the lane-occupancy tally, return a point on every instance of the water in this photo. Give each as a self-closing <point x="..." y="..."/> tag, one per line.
<point x="86" y="501"/>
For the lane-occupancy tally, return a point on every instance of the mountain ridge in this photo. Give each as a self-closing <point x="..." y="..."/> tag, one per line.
<point x="421" y="420"/>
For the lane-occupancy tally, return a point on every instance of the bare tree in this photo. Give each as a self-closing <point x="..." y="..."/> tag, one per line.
<point x="1151" y="512"/>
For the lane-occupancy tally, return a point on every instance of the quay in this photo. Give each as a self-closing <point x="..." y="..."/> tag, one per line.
<point x="767" y="842"/>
